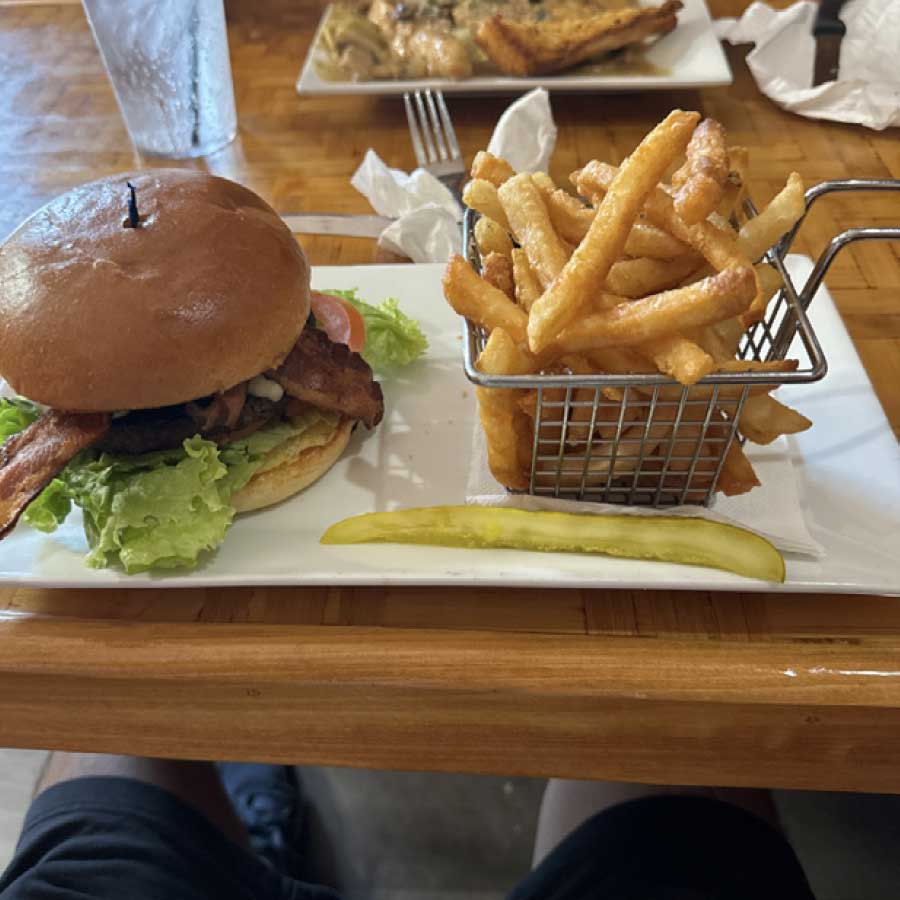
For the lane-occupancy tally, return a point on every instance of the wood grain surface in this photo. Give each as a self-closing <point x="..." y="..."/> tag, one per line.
<point x="743" y="689"/>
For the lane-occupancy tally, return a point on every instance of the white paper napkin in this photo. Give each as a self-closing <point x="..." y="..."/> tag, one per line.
<point x="426" y="226"/>
<point x="525" y="135"/>
<point x="867" y="91"/>
<point x="772" y="510"/>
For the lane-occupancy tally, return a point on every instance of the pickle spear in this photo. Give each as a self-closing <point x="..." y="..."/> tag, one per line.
<point x="697" y="542"/>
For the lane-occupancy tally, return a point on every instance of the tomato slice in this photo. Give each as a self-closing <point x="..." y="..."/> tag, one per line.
<point x="339" y="319"/>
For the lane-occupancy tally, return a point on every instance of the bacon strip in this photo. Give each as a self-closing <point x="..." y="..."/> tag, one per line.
<point x="330" y="376"/>
<point x="31" y="459"/>
<point x="222" y="411"/>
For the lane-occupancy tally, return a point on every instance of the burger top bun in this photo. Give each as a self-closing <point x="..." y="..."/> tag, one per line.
<point x="211" y="289"/>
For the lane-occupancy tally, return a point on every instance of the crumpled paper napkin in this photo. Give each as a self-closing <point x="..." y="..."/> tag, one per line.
<point x="427" y="217"/>
<point x="867" y="91"/>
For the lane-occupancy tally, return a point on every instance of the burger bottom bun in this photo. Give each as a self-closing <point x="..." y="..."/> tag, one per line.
<point x="294" y="474"/>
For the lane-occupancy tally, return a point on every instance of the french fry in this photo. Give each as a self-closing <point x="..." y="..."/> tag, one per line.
<point x="648" y="240"/>
<point x="763" y="419"/>
<point x="491" y="168"/>
<point x="737" y="475"/>
<point x="648" y="279"/>
<point x="553" y="415"/>
<point x="736" y="185"/>
<point x="701" y="180"/>
<point x="490" y="237"/>
<point x="471" y="296"/>
<point x="606" y="417"/>
<point x="605" y="241"/>
<point x="545" y="184"/>
<point x="620" y="361"/>
<point x="635" y="278"/>
<point x="636" y="360"/>
<point x="729" y="333"/>
<point x="720" y="296"/>
<point x="572" y="219"/>
<point x="528" y="288"/>
<point x="770" y="282"/>
<point x="680" y="358"/>
<point x="481" y="196"/>
<point x="505" y="426"/>
<point x="496" y="269"/>
<point x="689" y="447"/>
<point x="530" y="224"/>
<point x="606" y="301"/>
<point x="779" y="217"/>
<point x="717" y="246"/>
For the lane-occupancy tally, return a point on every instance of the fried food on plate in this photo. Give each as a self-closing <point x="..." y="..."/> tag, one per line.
<point x="491" y="168"/>
<point x="701" y="180"/>
<point x="505" y="425"/>
<point x="531" y="226"/>
<point x="638" y="277"/>
<point x="782" y="213"/>
<point x="605" y="241"/>
<point x="720" y="296"/>
<point x="492" y="237"/>
<point x="481" y="302"/>
<point x="539" y="48"/>
<point x="497" y="269"/>
<point x="527" y="286"/>
<point x="481" y="195"/>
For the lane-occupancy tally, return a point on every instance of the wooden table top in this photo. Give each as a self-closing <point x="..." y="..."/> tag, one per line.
<point x="741" y="689"/>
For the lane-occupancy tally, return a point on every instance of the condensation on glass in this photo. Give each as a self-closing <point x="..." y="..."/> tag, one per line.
<point x="168" y="64"/>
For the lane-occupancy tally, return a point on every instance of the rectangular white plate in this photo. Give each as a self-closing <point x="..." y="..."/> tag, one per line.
<point x="690" y="56"/>
<point x="848" y="470"/>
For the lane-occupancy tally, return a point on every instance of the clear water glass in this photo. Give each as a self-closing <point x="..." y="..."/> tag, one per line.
<point x="168" y="64"/>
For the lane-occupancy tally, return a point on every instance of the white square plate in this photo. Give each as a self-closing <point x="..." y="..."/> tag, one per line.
<point x="688" y="57"/>
<point x="847" y="466"/>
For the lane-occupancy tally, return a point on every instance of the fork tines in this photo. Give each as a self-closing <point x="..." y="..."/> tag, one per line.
<point x="433" y="137"/>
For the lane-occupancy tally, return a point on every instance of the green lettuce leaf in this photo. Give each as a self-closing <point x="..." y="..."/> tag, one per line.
<point x="49" y="509"/>
<point x="159" y="510"/>
<point x="162" y="510"/>
<point x="16" y="415"/>
<point x="392" y="338"/>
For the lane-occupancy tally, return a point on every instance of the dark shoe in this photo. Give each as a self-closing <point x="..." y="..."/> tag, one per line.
<point x="268" y="801"/>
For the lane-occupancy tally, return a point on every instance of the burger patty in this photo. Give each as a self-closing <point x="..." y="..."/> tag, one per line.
<point x="317" y="372"/>
<point x="146" y="430"/>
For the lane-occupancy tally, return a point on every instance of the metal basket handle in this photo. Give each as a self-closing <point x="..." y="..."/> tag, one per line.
<point x="805" y="294"/>
<point x="841" y="186"/>
<point x="838" y="243"/>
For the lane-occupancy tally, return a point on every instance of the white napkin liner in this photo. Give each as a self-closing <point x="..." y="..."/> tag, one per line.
<point x="773" y="510"/>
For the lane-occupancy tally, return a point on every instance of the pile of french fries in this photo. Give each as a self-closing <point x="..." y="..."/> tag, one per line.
<point x="642" y="275"/>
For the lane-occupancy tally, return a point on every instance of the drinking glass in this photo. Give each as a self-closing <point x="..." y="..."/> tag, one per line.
<point x="168" y="64"/>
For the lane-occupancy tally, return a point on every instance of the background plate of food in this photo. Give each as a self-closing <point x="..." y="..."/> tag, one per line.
<point x="505" y="46"/>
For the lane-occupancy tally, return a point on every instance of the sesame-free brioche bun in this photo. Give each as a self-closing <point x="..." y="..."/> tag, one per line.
<point x="294" y="471"/>
<point x="95" y="315"/>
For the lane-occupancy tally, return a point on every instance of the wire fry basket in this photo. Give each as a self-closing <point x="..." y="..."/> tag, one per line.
<point x="645" y="439"/>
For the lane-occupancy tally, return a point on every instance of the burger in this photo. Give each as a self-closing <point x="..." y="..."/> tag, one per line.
<point x="170" y="365"/>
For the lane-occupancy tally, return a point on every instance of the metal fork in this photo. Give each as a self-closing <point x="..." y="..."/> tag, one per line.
<point x="434" y="140"/>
